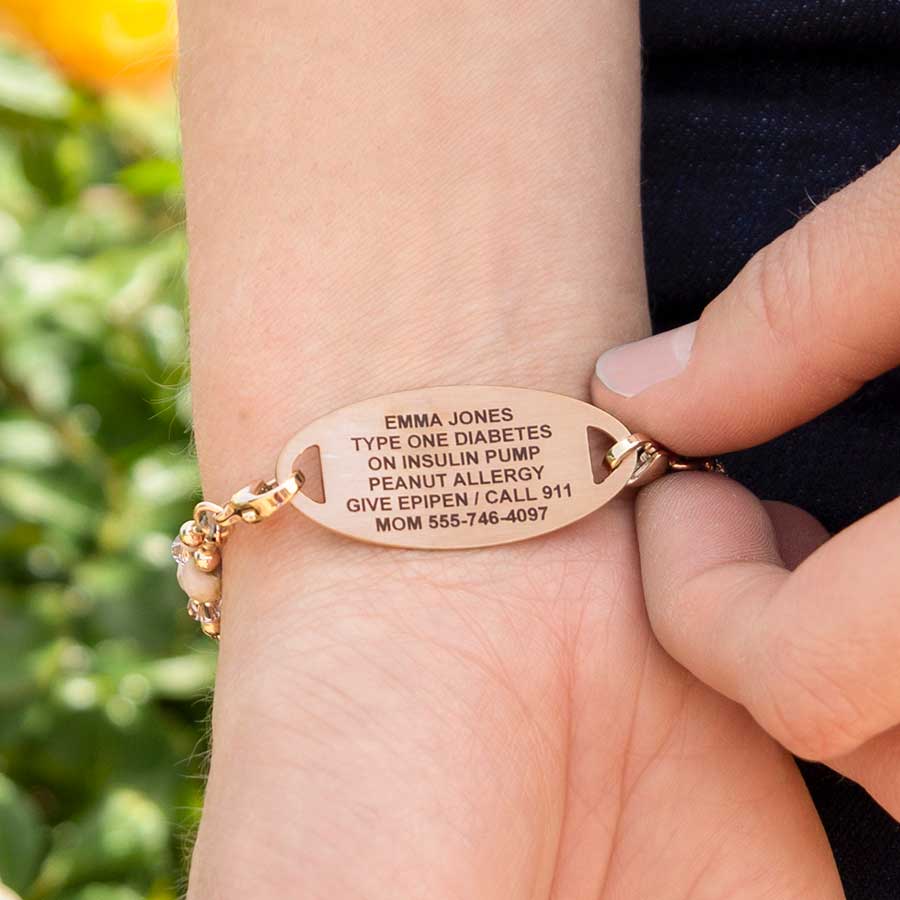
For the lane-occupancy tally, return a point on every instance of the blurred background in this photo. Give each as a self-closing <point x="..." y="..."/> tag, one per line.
<point x="104" y="680"/>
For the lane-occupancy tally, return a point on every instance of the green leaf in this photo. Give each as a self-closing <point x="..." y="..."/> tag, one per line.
<point x="149" y="126"/>
<point x="29" y="443"/>
<point x="37" y="499"/>
<point x="182" y="677"/>
<point x="22" y="837"/>
<point x="40" y="163"/>
<point x="151" y="177"/>
<point x="127" y="832"/>
<point x="104" y="892"/>
<point x="31" y="89"/>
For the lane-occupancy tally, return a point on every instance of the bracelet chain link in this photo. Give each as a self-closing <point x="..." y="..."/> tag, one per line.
<point x="198" y="547"/>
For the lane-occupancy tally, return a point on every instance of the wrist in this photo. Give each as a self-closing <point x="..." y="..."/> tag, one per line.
<point x="475" y="219"/>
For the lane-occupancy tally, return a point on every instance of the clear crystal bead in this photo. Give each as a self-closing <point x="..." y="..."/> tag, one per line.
<point x="180" y="553"/>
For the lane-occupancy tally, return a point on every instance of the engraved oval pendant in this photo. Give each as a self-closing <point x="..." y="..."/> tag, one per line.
<point x="456" y="467"/>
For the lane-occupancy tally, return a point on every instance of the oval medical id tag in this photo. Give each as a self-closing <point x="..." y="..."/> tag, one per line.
<point x="456" y="467"/>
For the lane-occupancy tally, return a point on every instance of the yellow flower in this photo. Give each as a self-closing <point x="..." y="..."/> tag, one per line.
<point x="104" y="43"/>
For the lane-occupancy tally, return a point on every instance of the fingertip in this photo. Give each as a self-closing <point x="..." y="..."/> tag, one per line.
<point x="701" y="518"/>
<point x="673" y="413"/>
<point x="691" y="523"/>
<point x="624" y="375"/>
<point x="708" y="554"/>
<point x="798" y="533"/>
<point x="608" y="400"/>
<point x="630" y="369"/>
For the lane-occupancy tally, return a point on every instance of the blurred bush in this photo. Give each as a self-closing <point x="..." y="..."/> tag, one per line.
<point x="103" y="677"/>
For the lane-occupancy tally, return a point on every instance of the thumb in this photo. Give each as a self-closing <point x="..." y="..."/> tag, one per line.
<point x="808" y="320"/>
<point x="797" y="533"/>
<point x="810" y="653"/>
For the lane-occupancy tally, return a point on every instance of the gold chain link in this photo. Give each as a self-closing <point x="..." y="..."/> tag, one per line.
<point x="654" y="460"/>
<point x="198" y="547"/>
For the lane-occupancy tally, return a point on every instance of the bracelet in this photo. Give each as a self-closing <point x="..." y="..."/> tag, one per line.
<point x="438" y="468"/>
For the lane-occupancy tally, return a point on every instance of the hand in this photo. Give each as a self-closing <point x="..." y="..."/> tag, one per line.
<point x="486" y="724"/>
<point x="813" y="653"/>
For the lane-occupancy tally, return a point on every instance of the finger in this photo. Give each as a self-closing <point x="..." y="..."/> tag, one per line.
<point x="797" y="533"/>
<point x="876" y="766"/>
<point x="812" y="654"/>
<point x="810" y="318"/>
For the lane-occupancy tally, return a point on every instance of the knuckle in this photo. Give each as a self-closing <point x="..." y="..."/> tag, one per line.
<point x="794" y="283"/>
<point x="780" y="289"/>
<point x="804" y="702"/>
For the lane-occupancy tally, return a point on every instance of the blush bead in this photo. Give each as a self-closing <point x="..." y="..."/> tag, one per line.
<point x="200" y="586"/>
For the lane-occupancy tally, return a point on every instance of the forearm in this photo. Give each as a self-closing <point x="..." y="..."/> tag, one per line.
<point x="380" y="197"/>
<point x="383" y="196"/>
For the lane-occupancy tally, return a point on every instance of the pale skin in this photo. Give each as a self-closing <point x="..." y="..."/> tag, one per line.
<point x="379" y="199"/>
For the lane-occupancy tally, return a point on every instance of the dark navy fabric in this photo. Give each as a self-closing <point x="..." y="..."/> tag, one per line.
<point x="754" y="110"/>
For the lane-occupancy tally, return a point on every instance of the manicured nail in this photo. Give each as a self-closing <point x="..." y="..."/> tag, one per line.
<point x="633" y="368"/>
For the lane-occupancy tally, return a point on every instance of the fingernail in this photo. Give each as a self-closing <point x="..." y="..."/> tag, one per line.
<point x="633" y="368"/>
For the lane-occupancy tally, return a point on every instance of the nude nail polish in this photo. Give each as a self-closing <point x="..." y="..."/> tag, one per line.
<point x="632" y="368"/>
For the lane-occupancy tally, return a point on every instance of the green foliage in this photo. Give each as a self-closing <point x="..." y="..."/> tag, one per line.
<point x="103" y="678"/>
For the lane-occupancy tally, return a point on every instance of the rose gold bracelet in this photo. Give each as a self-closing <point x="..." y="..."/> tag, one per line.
<point x="433" y="469"/>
